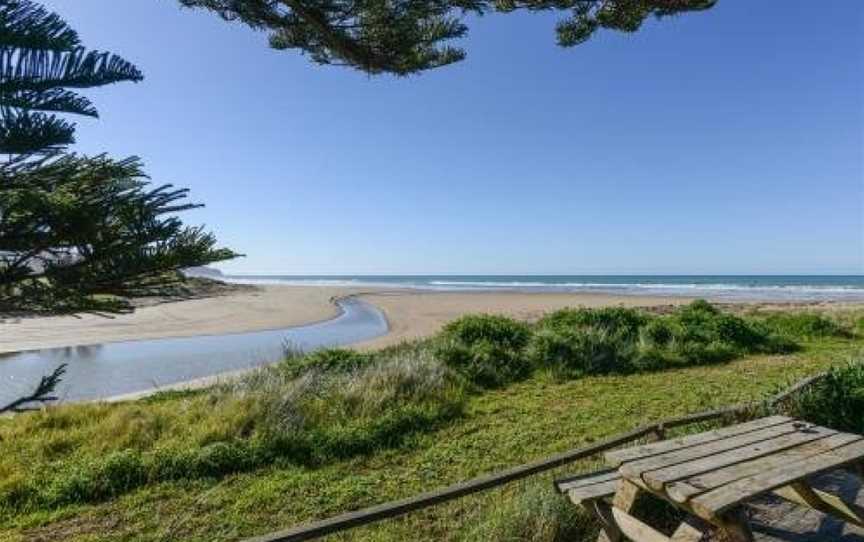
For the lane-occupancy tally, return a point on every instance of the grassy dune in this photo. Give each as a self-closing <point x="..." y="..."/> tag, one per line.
<point x="317" y="437"/>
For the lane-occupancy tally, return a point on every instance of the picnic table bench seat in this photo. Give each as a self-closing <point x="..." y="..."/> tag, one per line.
<point x="711" y="475"/>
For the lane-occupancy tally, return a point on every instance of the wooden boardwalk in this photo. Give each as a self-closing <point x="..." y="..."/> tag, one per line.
<point x="775" y="520"/>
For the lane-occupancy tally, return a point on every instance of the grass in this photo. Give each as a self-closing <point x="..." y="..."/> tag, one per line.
<point x="221" y="490"/>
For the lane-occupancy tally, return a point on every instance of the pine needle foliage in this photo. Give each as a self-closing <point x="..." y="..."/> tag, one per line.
<point x="41" y="58"/>
<point x="402" y="37"/>
<point x="77" y="233"/>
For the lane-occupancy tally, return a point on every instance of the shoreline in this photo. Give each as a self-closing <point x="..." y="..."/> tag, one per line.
<point x="410" y="313"/>
<point x="261" y="308"/>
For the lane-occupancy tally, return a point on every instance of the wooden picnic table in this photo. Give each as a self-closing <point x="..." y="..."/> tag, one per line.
<point x="709" y="476"/>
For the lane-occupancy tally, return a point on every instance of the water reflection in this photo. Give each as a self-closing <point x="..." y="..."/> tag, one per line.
<point x="104" y="370"/>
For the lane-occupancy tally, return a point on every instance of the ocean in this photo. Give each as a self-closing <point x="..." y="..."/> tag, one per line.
<point x="720" y="287"/>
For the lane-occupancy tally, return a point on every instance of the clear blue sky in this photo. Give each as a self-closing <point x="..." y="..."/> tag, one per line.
<point x="729" y="141"/>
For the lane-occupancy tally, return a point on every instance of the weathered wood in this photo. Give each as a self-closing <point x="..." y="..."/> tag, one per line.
<point x="688" y="531"/>
<point x="563" y="485"/>
<point x="682" y="490"/>
<point x="657" y="479"/>
<point x="617" y="457"/>
<point x="626" y="495"/>
<point x="802" y="493"/>
<point x="593" y="492"/>
<point x="714" y="503"/>
<point x="609" y="528"/>
<point x="635" y="469"/>
<point x="635" y="529"/>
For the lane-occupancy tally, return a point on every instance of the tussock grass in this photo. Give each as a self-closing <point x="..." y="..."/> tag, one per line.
<point x="837" y="401"/>
<point x="88" y="453"/>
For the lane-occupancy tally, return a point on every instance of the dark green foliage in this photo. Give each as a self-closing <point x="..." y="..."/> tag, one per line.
<point x="332" y="360"/>
<point x="40" y="59"/>
<point x="74" y="228"/>
<point x="614" y="320"/>
<point x="408" y="36"/>
<point x="76" y="233"/>
<point x="702" y="333"/>
<point x="488" y="350"/>
<point x="573" y="342"/>
<point x="836" y="401"/>
<point x="573" y="352"/>
<point x="805" y="325"/>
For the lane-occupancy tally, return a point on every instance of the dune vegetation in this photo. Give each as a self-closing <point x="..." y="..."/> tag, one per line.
<point x="336" y="430"/>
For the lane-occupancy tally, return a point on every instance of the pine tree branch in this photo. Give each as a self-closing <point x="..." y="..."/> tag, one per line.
<point x="58" y="100"/>
<point x="25" y="24"/>
<point x="39" y="71"/>
<point x="25" y="133"/>
<point x="42" y="394"/>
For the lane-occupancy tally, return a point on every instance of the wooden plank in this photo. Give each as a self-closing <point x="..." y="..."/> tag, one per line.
<point x="657" y="479"/>
<point x="688" y="531"/>
<point x="595" y="491"/>
<point x="683" y="490"/>
<point x="634" y="469"/>
<point x="626" y="495"/>
<point x="802" y="493"/>
<point x="635" y="529"/>
<point x="713" y="503"/>
<point x="563" y="485"/>
<point x="616" y="457"/>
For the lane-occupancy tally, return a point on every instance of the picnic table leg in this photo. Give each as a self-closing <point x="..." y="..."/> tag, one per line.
<point x="609" y="531"/>
<point x="625" y="498"/>
<point x="688" y="531"/>
<point x="802" y="493"/>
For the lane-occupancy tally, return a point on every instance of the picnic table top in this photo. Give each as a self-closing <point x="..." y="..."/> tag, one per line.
<point x="712" y="472"/>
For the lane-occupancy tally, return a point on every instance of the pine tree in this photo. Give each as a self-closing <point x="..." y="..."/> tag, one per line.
<point x="409" y="36"/>
<point x="41" y="58"/>
<point x="76" y="233"/>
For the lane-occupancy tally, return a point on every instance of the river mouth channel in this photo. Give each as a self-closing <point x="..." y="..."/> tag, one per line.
<point x="106" y="370"/>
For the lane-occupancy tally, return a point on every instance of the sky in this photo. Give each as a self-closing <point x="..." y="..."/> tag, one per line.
<point x="729" y="141"/>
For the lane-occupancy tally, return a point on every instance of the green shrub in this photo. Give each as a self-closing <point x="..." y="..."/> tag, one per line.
<point x="487" y="350"/>
<point x="657" y="332"/>
<point x="488" y="328"/>
<point x="569" y="352"/>
<point x="703" y="334"/>
<point x="836" y="401"/>
<point x="805" y="325"/>
<point x="333" y="360"/>
<point x="698" y="353"/>
<point x="615" y="320"/>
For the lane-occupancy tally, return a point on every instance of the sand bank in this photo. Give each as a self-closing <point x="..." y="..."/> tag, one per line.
<point x="261" y="308"/>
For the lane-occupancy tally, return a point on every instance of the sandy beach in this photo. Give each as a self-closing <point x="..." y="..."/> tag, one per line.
<point x="264" y="307"/>
<point x="410" y="314"/>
